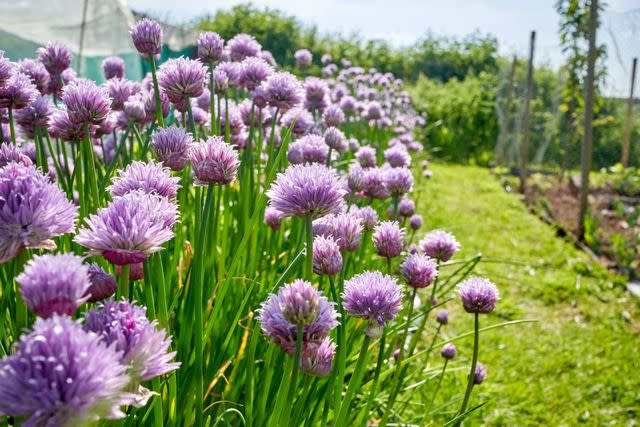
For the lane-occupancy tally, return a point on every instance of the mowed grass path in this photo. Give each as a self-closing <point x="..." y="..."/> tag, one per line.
<point x="580" y="363"/>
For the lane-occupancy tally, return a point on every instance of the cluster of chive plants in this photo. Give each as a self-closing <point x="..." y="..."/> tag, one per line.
<point x="222" y="242"/>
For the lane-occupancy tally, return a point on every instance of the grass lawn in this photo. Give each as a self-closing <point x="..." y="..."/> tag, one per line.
<point x="580" y="363"/>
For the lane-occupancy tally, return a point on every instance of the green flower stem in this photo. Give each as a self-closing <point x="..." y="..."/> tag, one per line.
<point x="89" y="163"/>
<point x="474" y="362"/>
<point x="341" y="355"/>
<point x="435" y="391"/>
<point x="192" y="123"/>
<point x="354" y="382"/>
<point x="212" y="102"/>
<point x="309" y="234"/>
<point x="124" y="280"/>
<point x="21" y="307"/>
<point x="376" y="378"/>
<point x="284" y="421"/>
<point x="395" y="207"/>
<point x="12" y="129"/>
<point x="156" y="91"/>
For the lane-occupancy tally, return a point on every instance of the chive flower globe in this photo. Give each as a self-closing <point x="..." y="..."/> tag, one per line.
<point x="397" y="156"/>
<point x="6" y="69"/>
<point x="333" y="116"/>
<point x="150" y="177"/>
<point x="327" y="259"/>
<point x="448" y="351"/>
<point x="480" y="374"/>
<point x="398" y="181"/>
<point x="366" y="156"/>
<point x="61" y="375"/>
<point x="347" y="229"/>
<point x="54" y="284"/>
<point x="171" y="145"/>
<point x="253" y="71"/>
<point x="317" y="358"/>
<point x="369" y="217"/>
<point x="300" y="302"/>
<point x="374" y="183"/>
<point x="86" y="103"/>
<point x="273" y="218"/>
<point x="308" y="149"/>
<point x="147" y="37"/>
<point x="334" y="138"/>
<point x="113" y="68"/>
<point x="143" y="348"/>
<point x="478" y="295"/>
<point x="210" y="47"/>
<point x="284" y="333"/>
<point x="419" y="271"/>
<point x="60" y="126"/>
<point x="18" y="92"/>
<point x="35" y="115"/>
<point x="213" y="161"/>
<point x="36" y="72"/>
<point x="303" y="58"/>
<point x="130" y="228"/>
<point x="282" y="90"/>
<point x="307" y="190"/>
<point x="303" y="121"/>
<point x="374" y="297"/>
<point x="388" y="239"/>
<point x="415" y="222"/>
<point x="32" y="211"/>
<point x="316" y="91"/>
<point x="442" y="317"/>
<point x="10" y="152"/>
<point x="181" y="78"/>
<point x="120" y="90"/>
<point x="55" y="57"/>
<point x="439" y="245"/>
<point x="242" y="46"/>
<point x="102" y="284"/>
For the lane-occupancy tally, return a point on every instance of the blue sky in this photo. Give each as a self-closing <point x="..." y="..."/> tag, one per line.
<point x="403" y="21"/>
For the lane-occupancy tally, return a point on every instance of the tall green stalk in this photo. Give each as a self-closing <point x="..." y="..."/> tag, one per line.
<point x="156" y="91"/>
<point x="474" y="362"/>
<point x="354" y="382"/>
<point x="309" y="234"/>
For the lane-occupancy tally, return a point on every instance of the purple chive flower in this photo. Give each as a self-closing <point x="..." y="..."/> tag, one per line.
<point x="334" y="138"/>
<point x="283" y="333"/>
<point x="419" y="271"/>
<point x="398" y="181"/>
<point x="210" y="46"/>
<point x="333" y="116"/>
<point x="347" y="229"/>
<point x="32" y="211"/>
<point x="181" y="78"/>
<point x="373" y="111"/>
<point x="35" y="115"/>
<point x="303" y="121"/>
<point x="273" y="218"/>
<point x="60" y="375"/>
<point x="18" y="92"/>
<point x="327" y="259"/>
<point x="369" y="217"/>
<point x="144" y="348"/>
<point x="366" y="156"/>
<point x="397" y="156"/>
<point x="448" y="351"/>
<point x="317" y="358"/>
<point x="86" y="103"/>
<point x="406" y="207"/>
<point x="149" y="177"/>
<point x="6" y="69"/>
<point x="478" y="295"/>
<point x="120" y="90"/>
<point x="54" y="284"/>
<point x="443" y="317"/>
<point x="303" y="58"/>
<point x="282" y="90"/>
<point x="302" y="190"/>
<point x="374" y="297"/>
<point x="213" y="161"/>
<point x="299" y="302"/>
<point x="36" y="71"/>
<point x="134" y="110"/>
<point x="308" y="149"/>
<point x="242" y="46"/>
<point x="355" y="178"/>
<point x="55" y="57"/>
<point x="253" y="71"/>
<point x="374" y="183"/>
<point x="147" y="37"/>
<point x="480" y="374"/>
<point x="103" y="285"/>
<point x="268" y="56"/>
<point x="326" y="58"/>
<point x="171" y="146"/>
<point x="60" y="126"/>
<point x="348" y="104"/>
<point x="439" y="245"/>
<point x="316" y="94"/>
<point x="424" y="164"/>
<point x="387" y="238"/>
<point x="228" y="74"/>
<point x="12" y="153"/>
<point x="58" y="82"/>
<point x="415" y="221"/>
<point x="113" y="68"/>
<point x="130" y="228"/>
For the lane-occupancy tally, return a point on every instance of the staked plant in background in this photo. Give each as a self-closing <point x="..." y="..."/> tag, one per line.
<point x="209" y="246"/>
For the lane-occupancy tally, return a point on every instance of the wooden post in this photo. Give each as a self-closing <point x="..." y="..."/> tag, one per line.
<point x="524" y="149"/>
<point x="587" y="142"/>
<point x="628" y="119"/>
<point x="504" y="129"/>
